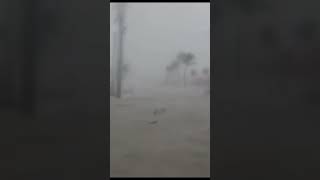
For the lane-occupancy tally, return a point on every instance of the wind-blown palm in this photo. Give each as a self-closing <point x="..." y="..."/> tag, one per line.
<point x="188" y="59"/>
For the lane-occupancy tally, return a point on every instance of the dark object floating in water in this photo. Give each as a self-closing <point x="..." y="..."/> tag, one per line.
<point x="153" y="122"/>
<point x="159" y="111"/>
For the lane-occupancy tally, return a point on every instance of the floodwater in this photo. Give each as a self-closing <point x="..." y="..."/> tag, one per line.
<point x="165" y="133"/>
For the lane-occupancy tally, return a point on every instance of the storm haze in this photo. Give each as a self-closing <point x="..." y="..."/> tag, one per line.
<point x="157" y="32"/>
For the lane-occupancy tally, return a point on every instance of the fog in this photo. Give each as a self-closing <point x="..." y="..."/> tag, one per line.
<point x="156" y="32"/>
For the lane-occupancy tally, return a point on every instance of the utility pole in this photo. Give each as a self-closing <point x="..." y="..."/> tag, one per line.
<point x="113" y="64"/>
<point x="121" y="13"/>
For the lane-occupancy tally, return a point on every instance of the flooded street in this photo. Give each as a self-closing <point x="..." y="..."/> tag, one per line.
<point x="163" y="135"/>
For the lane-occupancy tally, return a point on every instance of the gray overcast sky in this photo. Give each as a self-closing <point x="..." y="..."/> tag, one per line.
<point x="156" y="32"/>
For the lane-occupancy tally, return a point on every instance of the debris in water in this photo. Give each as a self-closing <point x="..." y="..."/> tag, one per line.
<point x="153" y="122"/>
<point x="159" y="111"/>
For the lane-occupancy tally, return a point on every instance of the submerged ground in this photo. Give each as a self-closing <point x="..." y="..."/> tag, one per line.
<point x="161" y="132"/>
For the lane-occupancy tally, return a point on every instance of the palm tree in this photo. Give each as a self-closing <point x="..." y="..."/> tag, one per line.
<point x="188" y="59"/>
<point x="171" y="68"/>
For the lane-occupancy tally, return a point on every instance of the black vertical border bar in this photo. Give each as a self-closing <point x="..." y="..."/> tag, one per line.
<point x="108" y="89"/>
<point x="29" y="51"/>
<point x="213" y="18"/>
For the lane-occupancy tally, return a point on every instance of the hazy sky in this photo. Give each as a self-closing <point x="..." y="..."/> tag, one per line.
<point x="156" y="32"/>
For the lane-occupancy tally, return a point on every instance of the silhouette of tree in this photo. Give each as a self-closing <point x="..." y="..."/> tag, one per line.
<point x="187" y="59"/>
<point x="172" y="67"/>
